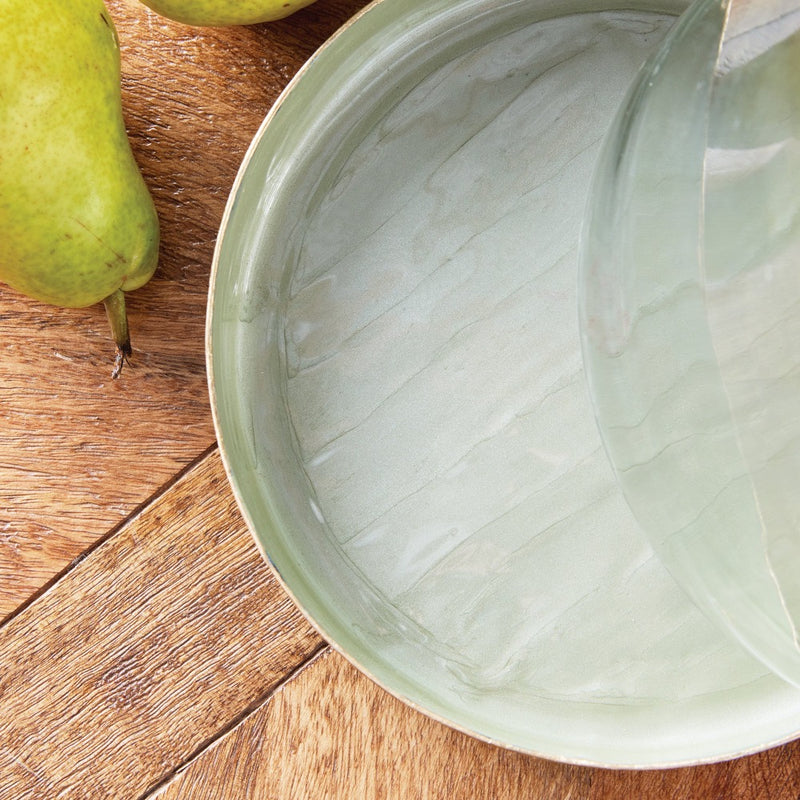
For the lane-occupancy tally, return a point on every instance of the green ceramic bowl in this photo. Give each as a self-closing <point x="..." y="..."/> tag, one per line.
<point x="396" y="377"/>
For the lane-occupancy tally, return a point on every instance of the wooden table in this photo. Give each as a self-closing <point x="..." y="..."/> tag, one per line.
<point x="145" y="648"/>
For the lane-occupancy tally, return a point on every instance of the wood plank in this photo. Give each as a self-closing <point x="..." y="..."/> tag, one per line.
<point x="79" y="452"/>
<point x="155" y="642"/>
<point x="332" y="733"/>
<point x="771" y="775"/>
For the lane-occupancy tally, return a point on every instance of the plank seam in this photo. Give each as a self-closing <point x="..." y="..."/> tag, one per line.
<point x="252" y="708"/>
<point x="109" y="534"/>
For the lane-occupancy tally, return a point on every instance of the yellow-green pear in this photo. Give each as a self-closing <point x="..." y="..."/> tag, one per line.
<point x="226" y="12"/>
<point x="77" y="222"/>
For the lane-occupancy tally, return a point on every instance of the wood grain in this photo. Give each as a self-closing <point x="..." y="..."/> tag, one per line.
<point x="772" y="775"/>
<point x="150" y="647"/>
<point x="79" y="452"/>
<point x="332" y="733"/>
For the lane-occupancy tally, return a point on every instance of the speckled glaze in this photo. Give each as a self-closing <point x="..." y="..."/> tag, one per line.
<point x="77" y="221"/>
<point x="395" y="367"/>
<point x="224" y="12"/>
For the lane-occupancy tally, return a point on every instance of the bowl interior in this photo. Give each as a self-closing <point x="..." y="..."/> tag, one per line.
<point x="690" y="314"/>
<point x="399" y="392"/>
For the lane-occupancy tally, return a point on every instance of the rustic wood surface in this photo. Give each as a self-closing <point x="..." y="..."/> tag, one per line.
<point x="145" y="648"/>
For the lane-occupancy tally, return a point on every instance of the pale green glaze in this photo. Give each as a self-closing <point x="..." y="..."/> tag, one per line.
<point x="76" y="219"/>
<point x="395" y="368"/>
<point x="226" y="12"/>
<point x="691" y="314"/>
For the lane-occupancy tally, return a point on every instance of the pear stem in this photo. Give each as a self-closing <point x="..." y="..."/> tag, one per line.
<point x="118" y="319"/>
